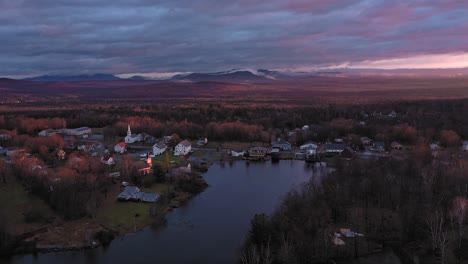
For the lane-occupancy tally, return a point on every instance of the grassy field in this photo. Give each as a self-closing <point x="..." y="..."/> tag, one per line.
<point x="125" y="217"/>
<point x="15" y="202"/>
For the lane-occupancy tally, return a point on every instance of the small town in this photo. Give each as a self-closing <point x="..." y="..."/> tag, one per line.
<point x="237" y="132"/>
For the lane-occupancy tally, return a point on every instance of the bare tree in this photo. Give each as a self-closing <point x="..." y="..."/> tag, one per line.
<point x="435" y="224"/>
<point x="458" y="212"/>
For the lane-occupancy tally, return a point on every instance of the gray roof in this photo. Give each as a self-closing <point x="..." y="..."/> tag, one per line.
<point x="335" y="146"/>
<point x="133" y="193"/>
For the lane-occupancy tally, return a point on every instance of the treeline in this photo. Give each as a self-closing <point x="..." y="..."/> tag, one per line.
<point x="225" y="122"/>
<point x="415" y="200"/>
<point x="74" y="190"/>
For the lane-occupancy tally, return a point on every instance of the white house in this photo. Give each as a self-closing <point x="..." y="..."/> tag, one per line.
<point x="183" y="148"/>
<point x="159" y="148"/>
<point x="120" y="148"/>
<point x="132" y="138"/>
<point x="309" y="147"/>
<point x="237" y="153"/>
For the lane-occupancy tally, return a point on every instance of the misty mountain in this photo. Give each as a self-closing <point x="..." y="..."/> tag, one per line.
<point x="137" y="78"/>
<point x="74" y="78"/>
<point x="235" y="76"/>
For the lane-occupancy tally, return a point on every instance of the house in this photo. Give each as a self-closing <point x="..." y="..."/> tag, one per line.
<point x="120" y="148"/>
<point x="5" y="137"/>
<point x="159" y="148"/>
<point x="202" y="141"/>
<point x="333" y="148"/>
<point x="235" y="153"/>
<point x="185" y="167"/>
<point x="150" y="140"/>
<point x="366" y="141"/>
<point x="132" y="138"/>
<point x="257" y="152"/>
<point x="392" y="114"/>
<point x="47" y="133"/>
<point x="434" y="146"/>
<point x="128" y="193"/>
<point x="339" y="140"/>
<point x="81" y="131"/>
<point x="13" y="151"/>
<point x="465" y="146"/>
<point x="133" y="193"/>
<point x="396" y="145"/>
<point x="347" y="153"/>
<point x="183" y="148"/>
<point x="61" y="154"/>
<point x="378" y="146"/>
<point x="109" y="161"/>
<point x="143" y="167"/>
<point x="282" y="145"/>
<point x="309" y="147"/>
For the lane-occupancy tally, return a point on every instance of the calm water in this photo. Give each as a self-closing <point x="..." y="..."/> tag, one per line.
<point x="208" y="229"/>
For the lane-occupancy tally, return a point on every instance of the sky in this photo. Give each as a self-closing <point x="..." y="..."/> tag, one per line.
<point x="159" y="38"/>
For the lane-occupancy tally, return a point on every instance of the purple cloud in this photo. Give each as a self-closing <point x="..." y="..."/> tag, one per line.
<point x="57" y="36"/>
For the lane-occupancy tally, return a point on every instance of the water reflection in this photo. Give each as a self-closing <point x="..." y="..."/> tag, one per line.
<point x="208" y="229"/>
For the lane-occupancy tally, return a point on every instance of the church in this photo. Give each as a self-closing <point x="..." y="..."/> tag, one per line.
<point x="131" y="138"/>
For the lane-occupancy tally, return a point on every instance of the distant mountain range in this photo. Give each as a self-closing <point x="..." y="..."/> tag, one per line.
<point x="235" y="75"/>
<point x="249" y="75"/>
<point x="74" y="78"/>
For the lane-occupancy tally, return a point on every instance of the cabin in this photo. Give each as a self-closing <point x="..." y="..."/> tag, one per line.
<point x="120" y="148"/>
<point x="282" y="145"/>
<point x="159" y="148"/>
<point x="183" y="148"/>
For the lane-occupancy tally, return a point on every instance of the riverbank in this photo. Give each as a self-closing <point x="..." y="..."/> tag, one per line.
<point x="35" y="227"/>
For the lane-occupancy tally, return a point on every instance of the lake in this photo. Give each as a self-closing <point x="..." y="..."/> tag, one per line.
<point x="211" y="227"/>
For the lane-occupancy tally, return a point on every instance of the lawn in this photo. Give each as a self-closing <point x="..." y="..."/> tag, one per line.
<point x="120" y="216"/>
<point x="16" y="201"/>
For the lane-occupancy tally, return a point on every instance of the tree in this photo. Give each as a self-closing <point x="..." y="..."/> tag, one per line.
<point x="449" y="138"/>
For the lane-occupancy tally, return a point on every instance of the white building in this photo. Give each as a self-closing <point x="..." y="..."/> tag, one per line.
<point x="309" y="147"/>
<point x="120" y="148"/>
<point x="81" y="131"/>
<point x="159" y="148"/>
<point x="183" y="148"/>
<point x="132" y="138"/>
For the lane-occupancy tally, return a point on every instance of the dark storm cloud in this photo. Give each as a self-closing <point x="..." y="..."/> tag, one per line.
<point x="116" y="36"/>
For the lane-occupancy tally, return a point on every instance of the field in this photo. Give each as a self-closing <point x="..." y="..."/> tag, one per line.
<point x="302" y="91"/>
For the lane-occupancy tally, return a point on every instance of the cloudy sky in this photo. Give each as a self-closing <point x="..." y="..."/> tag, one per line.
<point x="167" y="36"/>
